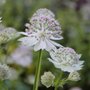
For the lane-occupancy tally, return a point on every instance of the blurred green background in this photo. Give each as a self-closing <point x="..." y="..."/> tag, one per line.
<point x="74" y="17"/>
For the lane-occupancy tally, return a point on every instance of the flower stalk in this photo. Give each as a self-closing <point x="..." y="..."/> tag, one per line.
<point x="58" y="81"/>
<point x="35" y="87"/>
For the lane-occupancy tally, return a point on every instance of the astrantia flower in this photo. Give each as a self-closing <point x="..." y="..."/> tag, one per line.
<point x="66" y="59"/>
<point x="47" y="79"/>
<point x="4" y="72"/>
<point x="7" y="34"/>
<point x="21" y="56"/>
<point x="41" y="31"/>
<point x="74" y="76"/>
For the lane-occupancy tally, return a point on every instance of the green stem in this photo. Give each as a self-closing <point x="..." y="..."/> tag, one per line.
<point x="1" y="84"/>
<point x="37" y="75"/>
<point x="58" y="81"/>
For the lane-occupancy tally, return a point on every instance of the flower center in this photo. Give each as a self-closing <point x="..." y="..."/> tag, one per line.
<point x="42" y="34"/>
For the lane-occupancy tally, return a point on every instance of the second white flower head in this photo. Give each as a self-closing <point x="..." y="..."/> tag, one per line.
<point x="66" y="59"/>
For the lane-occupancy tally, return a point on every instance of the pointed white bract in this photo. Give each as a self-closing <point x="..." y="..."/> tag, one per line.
<point x="41" y="31"/>
<point x="66" y="59"/>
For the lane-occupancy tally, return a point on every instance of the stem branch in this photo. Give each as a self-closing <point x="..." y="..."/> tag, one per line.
<point x="58" y="81"/>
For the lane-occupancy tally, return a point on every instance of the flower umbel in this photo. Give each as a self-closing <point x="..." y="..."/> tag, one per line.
<point x="4" y="72"/>
<point x="7" y="34"/>
<point x="74" y="76"/>
<point x="21" y="58"/>
<point x="47" y="79"/>
<point x="66" y="59"/>
<point x="42" y="30"/>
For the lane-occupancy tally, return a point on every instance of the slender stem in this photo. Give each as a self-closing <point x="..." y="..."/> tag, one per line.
<point x="1" y="84"/>
<point x="58" y="81"/>
<point x="37" y="75"/>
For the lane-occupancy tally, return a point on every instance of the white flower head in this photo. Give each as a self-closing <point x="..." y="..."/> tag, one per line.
<point x="21" y="56"/>
<point x="4" y="72"/>
<point x="66" y="59"/>
<point x="74" y="76"/>
<point x="41" y="31"/>
<point x="7" y="34"/>
<point x="47" y="79"/>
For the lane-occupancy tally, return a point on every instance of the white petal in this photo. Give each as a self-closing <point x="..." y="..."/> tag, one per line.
<point x="54" y="38"/>
<point x="53" y="56"/>
<point x="68" y="68"/>
<point x="49" y="45"/>
<point x="56" y="64"/>
<point x="81" y="62"/>
<point x="23" y="33"/>
<point x="78" y="67"/>
<point x="79" y="55"/>
<point x="56" y="44"/>
<point x="40" y="45"/>
<point x="28" y="41"/>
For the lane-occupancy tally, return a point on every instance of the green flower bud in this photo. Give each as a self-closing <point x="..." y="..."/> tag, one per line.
<point x="47" y="79"/>
<point x="74" y="76"/>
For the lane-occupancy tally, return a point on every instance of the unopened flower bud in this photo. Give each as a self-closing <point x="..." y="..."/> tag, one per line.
<point x="74" y="76"/>
<point x="47" y="79"/>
